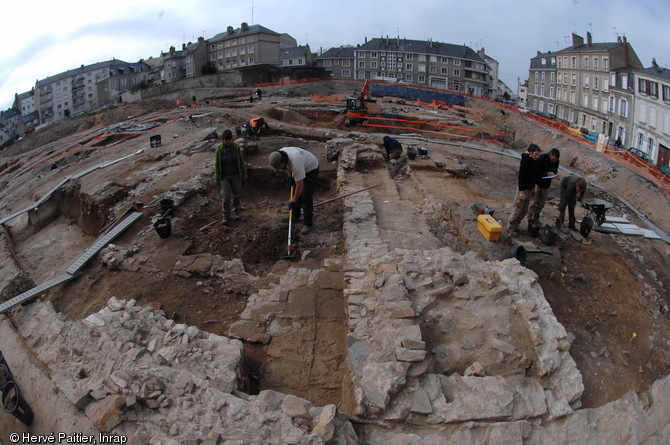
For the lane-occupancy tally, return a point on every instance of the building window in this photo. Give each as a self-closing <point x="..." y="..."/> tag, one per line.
<point x="422" y="57"/>
<point x="409" y="57"/>
<point x="346" y="62"/>
<point x="586" y="81"/>
<point x="595" y="103"/>
<point x="444" y="60"/>
<point x="421" y="79"/>
<point x="456" y="86"/>
<point x="373" y="65"/>
<point x="552" y="77"/>
<point x="457" y="62"/>
<point x="444" y="70"/>
<point x="457" y="73"/>
<point x="595" y="63"/>
<point x="666" y="127"/>
<point x="585" y="103"/>
<point x="606" y="64"/>
<point x="544" y="62"/>
<point x="433" y="69"/>
<point x="574" y="79"/>
<point x="640" y="141"/>
<point x="596" y="82"/>
<point x="361" y="64"/>
<point x="433" y="59"/>
<point x="623" y="107"/>
<point x="543" y="78"/>
<point x="542" y="91"/>
<point x="612" y="104"/>
<point x="346" y="73"/>
<point x="535" y="89"/>
<point x="250" y="49"/>
<point x="422" y="68"/>
<point x="409" y="67"/>
<point x="327" y="63"/>
<point x="652" y="117"/>
<point x="574" y="62"/>
<point x="551" y="92"/>
<point x="408" y="77"/>
<point x="536" y="76"/>
<point x="373" y="55"/>
<point x="586" y="62"/>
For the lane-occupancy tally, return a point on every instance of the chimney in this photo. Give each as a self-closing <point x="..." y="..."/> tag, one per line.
<point x="366" y="39"/>
<point x="539" y="54"/>
<point x="230" y="30"/>
<point x="653" y="62"/>
<point x="589" y="40"/>
<point x="625" y="51"/>
<point x="577" y="40"/>
<point x="171" y="50"/>
<point x="183" y="46"/>
<point x="201" y="39"/>
<point x="245" y="26"/>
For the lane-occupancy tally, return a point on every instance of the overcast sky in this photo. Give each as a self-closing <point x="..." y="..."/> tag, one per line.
<point x="44" y="38"/>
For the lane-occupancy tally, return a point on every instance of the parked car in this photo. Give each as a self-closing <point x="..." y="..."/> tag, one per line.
<point x="524" y="110"/>
<point x="640" y="154"/>
<point x="593" y="136"/>
<point x="665" y="170"/>
<point x="576" y="130"/>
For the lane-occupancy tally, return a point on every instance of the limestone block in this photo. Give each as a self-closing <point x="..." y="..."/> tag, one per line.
<point x="296" y="407"/>
<point x="324" y="425"/>
<point x="475" y="369"/>
<point x="106" y="414"/>
<point x="250" y="331"/>
<point x="419" y="402"/>
<point x="409" y="355"/>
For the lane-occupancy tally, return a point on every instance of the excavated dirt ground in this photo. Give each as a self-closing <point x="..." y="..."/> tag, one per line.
<point x="610" y="294"/>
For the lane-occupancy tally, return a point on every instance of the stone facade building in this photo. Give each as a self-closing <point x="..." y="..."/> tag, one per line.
<point x="542" y="83"/>
<point x="651" y="126"/>
<point x="339" y="62"/>
<point x="429" y="63"/>
<point x="584" y="77"/>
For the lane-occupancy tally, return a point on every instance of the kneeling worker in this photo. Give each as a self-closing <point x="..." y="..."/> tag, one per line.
<point x="254" y="126"/>
<point x="302" y="168"/>
<point x="393" y="148"/>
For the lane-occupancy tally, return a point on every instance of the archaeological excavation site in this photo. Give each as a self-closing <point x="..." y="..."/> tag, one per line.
<point x="129" y="312"/>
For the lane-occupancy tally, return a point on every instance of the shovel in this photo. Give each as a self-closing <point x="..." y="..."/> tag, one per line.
<point x="290" y="254"/>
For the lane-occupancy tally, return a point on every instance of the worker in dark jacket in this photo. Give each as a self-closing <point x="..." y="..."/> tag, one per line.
<point x="229" y="171"/>
<point x="547" y="167"/>
<point x="572" y="190"/>
<point x="526" y="184"/>
<point x="393" y="148"/>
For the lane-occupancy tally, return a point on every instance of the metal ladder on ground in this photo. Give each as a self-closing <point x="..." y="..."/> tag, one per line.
<point x="73" y="271"/>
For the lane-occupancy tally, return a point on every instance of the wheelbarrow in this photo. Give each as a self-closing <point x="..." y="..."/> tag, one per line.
<point x="596" y="209"/>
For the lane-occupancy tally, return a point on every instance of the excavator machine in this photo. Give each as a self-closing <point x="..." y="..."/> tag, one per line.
<point x="357" y="111"/>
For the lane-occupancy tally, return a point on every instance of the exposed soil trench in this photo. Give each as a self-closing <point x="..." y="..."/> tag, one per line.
<point x="602" y="293"/>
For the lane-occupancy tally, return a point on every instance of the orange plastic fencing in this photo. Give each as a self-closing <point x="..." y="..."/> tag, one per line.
<point x="325" y="98"/>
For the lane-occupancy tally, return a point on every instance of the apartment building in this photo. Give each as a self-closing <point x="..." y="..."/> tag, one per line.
<point x="651" y="126"/>
<point x="620" y="112"/>
<point x="338" y="62"/>
<point x="542" y="83"/>
<point x="9" y="122"/>
<point x="247" y="45"/>
<point x="522" y="95"/>
<point x="295" y="56"/>
<point x="121" y="78"/>
<point x="583" y="76"/>
<point x="70" y="93"/>
<point x="434" y="64"/>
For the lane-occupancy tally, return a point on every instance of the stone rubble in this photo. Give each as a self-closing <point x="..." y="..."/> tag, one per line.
<point x="134" y="372"/>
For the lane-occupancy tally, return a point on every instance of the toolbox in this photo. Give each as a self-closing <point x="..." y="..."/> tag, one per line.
<point x="489" y="227"/>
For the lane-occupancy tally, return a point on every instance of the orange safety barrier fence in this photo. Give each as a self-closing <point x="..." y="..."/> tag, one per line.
<point x="325" y="98"/>
<point x="431" y="131"/>
<point x="437" y="125"/>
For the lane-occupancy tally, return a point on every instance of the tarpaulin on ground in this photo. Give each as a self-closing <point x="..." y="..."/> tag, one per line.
<point x="416" y="93"/>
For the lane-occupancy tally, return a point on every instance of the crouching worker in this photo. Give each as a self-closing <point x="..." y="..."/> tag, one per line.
<point x="255" y="125"/>
<point x="572" y="190"/>
<point x="393" y="148"/>
<point x="229" y="171"/>
<point x="302" y="168"/>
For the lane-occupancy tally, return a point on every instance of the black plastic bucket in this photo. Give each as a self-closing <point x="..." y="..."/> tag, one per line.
<point x="155" y="141"/>
<point x="534" y="227"/>
<point x="585" y="226"/>
<point x="411" y="153"/>
<point x="549" y="235"/>
<point x="518" y="252"/>
<point x="163" y="227"/>
<point x="166" y="204"/>
<point x="13" y="403"/>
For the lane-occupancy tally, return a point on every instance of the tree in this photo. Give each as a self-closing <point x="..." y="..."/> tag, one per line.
<point x="208" y="68"/>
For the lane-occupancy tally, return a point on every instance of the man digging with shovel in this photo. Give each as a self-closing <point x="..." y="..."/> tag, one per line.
<point x="302" y="168"/>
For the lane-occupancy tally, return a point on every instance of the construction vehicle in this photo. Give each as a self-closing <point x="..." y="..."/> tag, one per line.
<point x="357" y="112"/>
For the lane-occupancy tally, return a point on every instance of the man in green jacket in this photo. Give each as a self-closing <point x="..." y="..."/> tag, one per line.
<point x="229" y="171"/>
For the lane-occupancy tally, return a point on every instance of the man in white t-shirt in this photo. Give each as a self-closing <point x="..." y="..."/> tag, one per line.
<point x="302" y="168"/>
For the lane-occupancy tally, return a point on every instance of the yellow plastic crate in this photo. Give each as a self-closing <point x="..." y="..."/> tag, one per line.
<point x="489" y="227"/>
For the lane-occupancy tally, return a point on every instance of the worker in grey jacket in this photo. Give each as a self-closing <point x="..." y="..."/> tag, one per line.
<point x="572" y="190"/>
